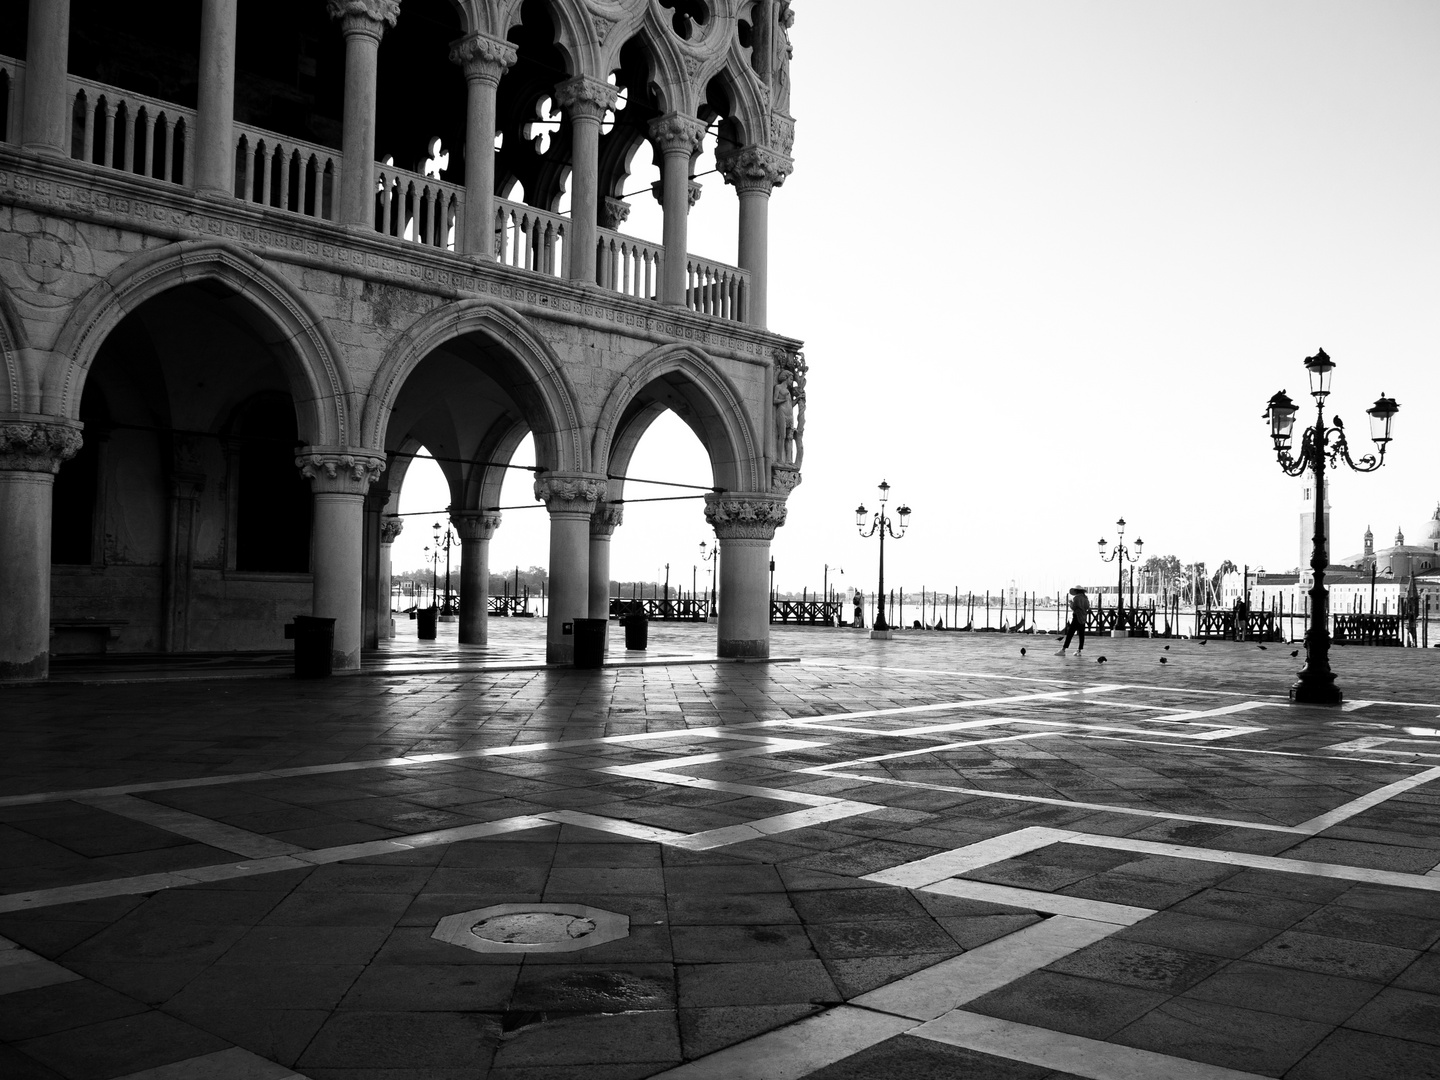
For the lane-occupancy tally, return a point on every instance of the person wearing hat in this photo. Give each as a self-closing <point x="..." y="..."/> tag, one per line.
<point x="1079" y="608"/>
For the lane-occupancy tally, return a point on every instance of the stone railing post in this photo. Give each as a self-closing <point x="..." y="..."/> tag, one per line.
<point x="571" y="499"/>
<point x="744" y="525"/>
<point x="363" y="23"/>
<point x="476" y="529"/>
<point x="215" y="109"/>
<point x="677" y="138"/>
<point x="584" y="102"/>
<point x="755" y="172"/>
<point x="484" y="60"/>
<point x="339" y="477"/>
<point x="46" y="123"/>
<point x="607" y="518"/>
<point x="32" y="449"/>
<point x="390" y="528"/>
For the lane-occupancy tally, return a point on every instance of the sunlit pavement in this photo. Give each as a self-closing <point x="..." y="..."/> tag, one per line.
<point x="932" y="856"/>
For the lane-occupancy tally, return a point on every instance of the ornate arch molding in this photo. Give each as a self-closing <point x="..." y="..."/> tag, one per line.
<point x="744" y="450"/>
<point x="17" y="388"/>
<point x="557" y="429"/>
<point x="483" y="483"/>
<point x="319" y="382"/>
<point x="573" y="34"/>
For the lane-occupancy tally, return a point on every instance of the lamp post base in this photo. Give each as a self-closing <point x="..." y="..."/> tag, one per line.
<point x="1117" y="632"/>
<point x="1316" y="692"/>
<point x="882" y="635"/>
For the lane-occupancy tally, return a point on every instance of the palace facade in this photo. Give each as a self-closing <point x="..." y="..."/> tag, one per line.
<point x="241" y="288"/>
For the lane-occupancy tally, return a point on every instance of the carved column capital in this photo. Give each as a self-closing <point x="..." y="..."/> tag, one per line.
<point x="606" y="519"/>
<point x="570" y="493"/>
<point x="581" y="97"/>
<point x="390" y="528"/>
<point x="613" y="213"/>
<point x="369" y="17"/>
<point x="482" y="57"/>
<point x="675" y="133"/>
<point x="754" y="168"/>
<point x="658" y="190"/>
<point x="745" y="517"/>
<point x="339" y="470"/>
<point x="37" y="443"/>
<point x="476" y="524"/>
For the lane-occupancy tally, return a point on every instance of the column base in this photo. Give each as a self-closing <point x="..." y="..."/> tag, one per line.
<point x="1119" y="633"/>
<point x="560" y="653"/>
<point x="742" y="649"/>
<point x="881" y="635"/>
<point x="36" y="670"/>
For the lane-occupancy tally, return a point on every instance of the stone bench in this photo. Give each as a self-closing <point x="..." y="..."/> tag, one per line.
<point x="73" y="637"/>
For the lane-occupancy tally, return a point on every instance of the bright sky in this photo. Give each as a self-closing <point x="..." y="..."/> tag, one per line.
<point x="1050" y="258"/>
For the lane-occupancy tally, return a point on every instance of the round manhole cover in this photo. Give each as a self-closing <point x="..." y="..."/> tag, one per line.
<point x="533" y="928"/>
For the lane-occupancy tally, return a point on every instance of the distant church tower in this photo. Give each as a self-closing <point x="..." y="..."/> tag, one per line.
<point x="1307" y="526"/>
<point x="1369" y="559"/>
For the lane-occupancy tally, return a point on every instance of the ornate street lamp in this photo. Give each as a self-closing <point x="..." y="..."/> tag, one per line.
<point x="1120" y="554"/>
<point x="712" y="556"/>
<point x="1320" y="445"/>
<point x="432" y="555"/>
<point x="444" y="540"/>
<point x="882" y="523"/>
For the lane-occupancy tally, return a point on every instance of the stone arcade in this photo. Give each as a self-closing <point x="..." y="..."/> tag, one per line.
<point x="228" y="319"/>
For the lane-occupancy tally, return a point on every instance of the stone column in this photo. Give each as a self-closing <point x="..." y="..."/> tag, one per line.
<point x="571" y="499"/>
<point x="339" y="476"/>
<point x="185" y="488"/>
<point x="31" y="451"/>
<point x="363" y="24"/>
<point x="390" y="528"/>
<point x="484" y="60"/>
<point x="476" y="529"/>
<point x="584" y="101"/>
<point x="215" y="112"/>
<point x="677" y="138"/>
<point x="755" y="172"/>
<point x="744" y="525"/>
<point x="46" y="124"/>
<point x="603" y="523"/>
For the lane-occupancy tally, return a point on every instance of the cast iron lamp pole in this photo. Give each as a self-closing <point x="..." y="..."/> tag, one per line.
<point x="712" y="556"/>
<point x="882" y="523"/>
<point x="444" y="541"/>
<point x="1119" y="555"/>
<point x="1320" y="445"/>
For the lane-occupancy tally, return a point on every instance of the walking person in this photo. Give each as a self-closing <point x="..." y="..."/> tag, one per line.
<point x="1079" y="608"/>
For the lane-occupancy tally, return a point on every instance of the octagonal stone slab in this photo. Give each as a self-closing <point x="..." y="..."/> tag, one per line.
<point x="532" y="928"/>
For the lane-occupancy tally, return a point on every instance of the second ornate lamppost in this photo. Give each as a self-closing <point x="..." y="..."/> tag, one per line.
<point x="1321" y="445"/>
<point x="712" y="556"/>
<point x="1120" y="554"/>
<point x="882" y="523"/>
<point x="444" y="540"/>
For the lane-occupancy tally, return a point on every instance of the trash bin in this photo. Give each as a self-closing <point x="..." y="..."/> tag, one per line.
<point x="637" y="631"/>
<point x="314" y="646"/>
<point x="590" y="642"/>
<point x="425" y="624"/>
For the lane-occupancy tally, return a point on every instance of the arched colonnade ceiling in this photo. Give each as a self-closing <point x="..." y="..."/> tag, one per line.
<point x="468" y="380"/>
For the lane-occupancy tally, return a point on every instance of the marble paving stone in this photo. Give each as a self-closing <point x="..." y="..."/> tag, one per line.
<point x="926" y="1059"/>
<point x="766" y="982"/>
<point x="705" y="1030"/>
<point x="1403" y="1014"/>
<point x="1334" y="956"/>
<point x="410" y="1040"/>
<point x="1225" y="1035"/>
<point x="1360" y="1055"/>
<point x="60" y="1007"/>
<point x="123" y="1045"/>
<point x="1192" y="933"/>
<point x="1138" y="964"/>
<point x="1068" y="1003"/>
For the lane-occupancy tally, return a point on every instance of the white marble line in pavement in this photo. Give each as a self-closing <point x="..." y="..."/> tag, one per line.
<point x="950" y="983"/>
<point x="1066" y="1053"/>
<point x="1365" y="802"/>
<point x="231" y="1064"/>
<point x="947" y="864"/>
<point x="1262" y="862"/>
<point x="1078" y="907"/>
<point x="936" y="706"/>
<point x="1048" y="801"/>
<point x="182" y="823"/>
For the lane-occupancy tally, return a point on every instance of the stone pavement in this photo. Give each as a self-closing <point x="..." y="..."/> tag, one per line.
<point x="926" y="857"/>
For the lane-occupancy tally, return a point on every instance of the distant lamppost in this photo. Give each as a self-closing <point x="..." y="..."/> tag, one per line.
<point x="712" y="556"/>
<point x="772" y="579"/>
<point x="825" y="592"/>
<point x="444" y="540"/>
<point x="1320" y="445"/>
<point x="1120" y="555"/>
<point x="434" y="556"/>
<point x="882" y="523"/>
